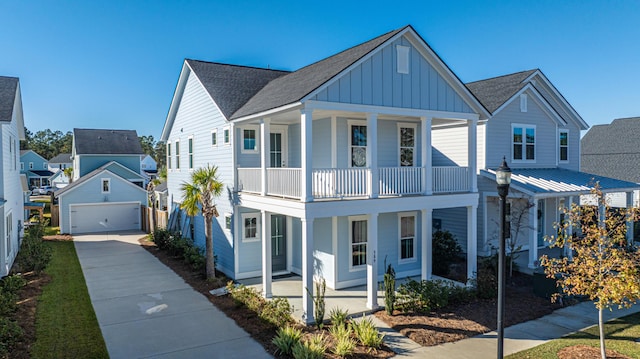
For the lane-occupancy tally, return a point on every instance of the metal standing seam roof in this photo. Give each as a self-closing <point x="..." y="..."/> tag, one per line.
<point x="558" y="180"/>
<point x="8" y="88"/>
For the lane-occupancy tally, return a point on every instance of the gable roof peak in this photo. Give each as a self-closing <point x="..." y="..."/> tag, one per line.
<point x="106" y="142"/>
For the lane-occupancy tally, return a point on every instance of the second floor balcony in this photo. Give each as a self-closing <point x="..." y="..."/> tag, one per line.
<point x="341" y="183"/>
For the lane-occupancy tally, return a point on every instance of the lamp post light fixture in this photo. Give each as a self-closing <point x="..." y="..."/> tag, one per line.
<point x="503" y="178"/>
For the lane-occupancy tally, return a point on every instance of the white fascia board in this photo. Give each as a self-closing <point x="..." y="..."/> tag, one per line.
<point x="546" y="107"/>
<point x="269" y="113"/>
<point x="385" y="110"/>
<point x="72" y="188"/>
<point x="175" y="101"/>
<point x="577" y="118"/>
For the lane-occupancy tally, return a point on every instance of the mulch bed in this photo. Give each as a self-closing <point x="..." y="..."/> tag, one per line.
<point x="25" y="314"/>
<point x="587" y="352"/>
<point x="259" y="330"/>
<point x="480" y="316"/>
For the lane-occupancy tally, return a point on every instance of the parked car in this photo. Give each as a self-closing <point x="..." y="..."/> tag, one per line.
<point x="42" y="190"/>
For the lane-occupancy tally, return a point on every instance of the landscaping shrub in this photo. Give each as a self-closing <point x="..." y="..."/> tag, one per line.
<point x="34" y="254"/>
<point x="318" y="302"/>
<point x="338" y="317"/>
<point x="162" y="238"/>
<point x="486" y="280"/>
<point x="10" y="335"/>
<point x="428" y="295"/>
<point x="10" y="331"/>
<point x="276" y="311"/>
<point x="344" y="344"/>
<point x="177" y="246"/>
<point x="286" y="338"/>
<point x="194" y="256"/>
<point x="389" y="289"/>
<point x="446" y="251"/>
<point x="313" y="348"/>
<point x="367" y="333"/>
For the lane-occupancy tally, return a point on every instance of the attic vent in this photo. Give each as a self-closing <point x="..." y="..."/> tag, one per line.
<point x="403" y="59"/>
<point x="523" y="102"/>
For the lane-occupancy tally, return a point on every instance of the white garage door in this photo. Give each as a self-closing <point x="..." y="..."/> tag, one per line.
<point x="104" y="217"/>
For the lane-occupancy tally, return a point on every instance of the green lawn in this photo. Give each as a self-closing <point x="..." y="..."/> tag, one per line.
<point x="66" y="326"/>
<point x="621" y="336"/>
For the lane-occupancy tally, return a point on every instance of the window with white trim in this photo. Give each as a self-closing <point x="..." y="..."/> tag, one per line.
<point x="214" y="137"/>
<point x="226" y="133"/>
<point x="563" y="142"/>
<point x="177" y="145"/>
<point x="21" y="166"/>
<point x="250" y="227"/>
<point x="407" y="237"/>
<point x="403" y="59"/>
<point x="44" y="166"/>
<point x="358" y="242"/>
<point x="249" y="140"/>
<point x="190" y="153"/>
<point x="227" y="221"/>
<point x="523" y="140"/>
<point x="358" y="144"/>
<point x="9" y="232"/>
<point x="169" y="155"/>
<point x="407" y="144"/>
<point x="523" y="102"/>
<point x="30" y="165"/>
<point x="106" y="185"/>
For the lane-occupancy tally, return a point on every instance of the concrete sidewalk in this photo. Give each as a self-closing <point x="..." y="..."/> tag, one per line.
<point x="518" y="337"/>
<point x="145" y="310"/>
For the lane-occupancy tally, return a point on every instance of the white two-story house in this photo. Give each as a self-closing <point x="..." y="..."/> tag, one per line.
<point x="328" y="170"/>
<point x="11" y="191"/>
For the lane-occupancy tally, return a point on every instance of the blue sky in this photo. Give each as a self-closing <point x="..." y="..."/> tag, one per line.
<point x="115" y="64"/>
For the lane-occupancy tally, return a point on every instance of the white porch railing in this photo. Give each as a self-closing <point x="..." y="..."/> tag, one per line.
<point x="450" y="179"/>
<point x="284" y="182"/>
<point x="341" y="182"/>
<point x="400" y="180"/>
<point x="249" y="180"/>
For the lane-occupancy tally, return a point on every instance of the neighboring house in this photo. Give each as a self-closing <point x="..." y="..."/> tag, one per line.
<point x="149" y="167"/>
<point x="161" y="192"/>
<point x="612" y="150"/>
<point x="538" y="132"/>
<point x="60" y="162"/>
<point x="35" y="167"/>
<point x="106" y="192"/>
<point x="59" y="180"/>
<point x="328" y="170"/>
<point x="11" y="191"/>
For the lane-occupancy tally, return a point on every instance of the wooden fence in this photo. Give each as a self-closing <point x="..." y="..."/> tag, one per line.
<point x="161" y="218"/>
<point x="55" y="215"/>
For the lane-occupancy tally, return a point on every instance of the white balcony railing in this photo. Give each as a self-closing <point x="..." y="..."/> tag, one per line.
<point x="395" y="181"/>
<point x="354" y="182"/>
<point x="284" y="182"/>
<point x="450" y="179"/>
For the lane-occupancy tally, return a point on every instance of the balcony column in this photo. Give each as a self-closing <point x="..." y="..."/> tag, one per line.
<point x="427" y="243"/>
<point x="266" y="254"/>
<point x="426" y="154"/>
<point x="307" y="270"/>
<point x="533" y="238"/>
<point x="372" y="261"/>
<point x="472" y="240"/>
<point x="265" y="130"/>
<point x="234" y="156"/>
<point x="306" y="144"/>
<point x="334" y="140"/>
<point x="472" y="150"/>
<point x="372" y="153"/>
<point x="629" y="222"/>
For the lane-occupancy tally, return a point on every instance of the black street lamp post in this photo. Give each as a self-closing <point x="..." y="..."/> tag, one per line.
<point x="503" y="178"/>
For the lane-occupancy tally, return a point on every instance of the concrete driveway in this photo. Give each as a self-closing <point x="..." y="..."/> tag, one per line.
<point x="145" y="310"/>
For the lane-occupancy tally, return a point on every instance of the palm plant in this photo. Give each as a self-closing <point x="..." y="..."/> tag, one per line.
<point x="199" y="196"/>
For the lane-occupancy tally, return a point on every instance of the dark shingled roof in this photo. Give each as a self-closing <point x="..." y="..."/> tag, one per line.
<point x="61" y="158"/>
<point x="8" y="88"/>
<point x="612" y="151"/>
<point x="231" y="86"/>
<point x="106" y="142"/>
<point x="296" y="85"/>
<point x="493" y="92"/>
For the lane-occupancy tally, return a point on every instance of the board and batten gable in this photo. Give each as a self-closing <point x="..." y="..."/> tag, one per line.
<point x="376" y="81"/>
<point x="196" y="117"/>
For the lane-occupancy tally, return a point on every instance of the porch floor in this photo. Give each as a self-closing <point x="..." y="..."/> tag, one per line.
<point x="523" y="258"/>
<point x="353" y="300"/>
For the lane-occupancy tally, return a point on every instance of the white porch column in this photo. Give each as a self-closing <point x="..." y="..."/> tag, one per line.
<point x="264" y="152"/>
<point x="472" y="240"/>
<point x="266" y="254"/>
<point x="426" y="248"/>
<point x="307" y="270"/>
<point x="306" y="144"/>
<point x="533" y="237"/>
<point x="426" y="154"/>
<point x="472" y="138"/>
<point x="334" y="140"/>
<point x="629" y="223"/>
<point x="372" y="153"/>
<point x="372" y="261"/>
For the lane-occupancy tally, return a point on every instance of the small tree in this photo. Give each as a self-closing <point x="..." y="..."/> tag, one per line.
<point x="199" y="196"/>
<point x="69" y="173"/>
<point x="604" y="267"/>
<point x="151" y="192"/>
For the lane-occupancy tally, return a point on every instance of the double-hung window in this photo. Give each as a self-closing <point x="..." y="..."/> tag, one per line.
<point x="563" y="142"/>
<point x="214" y="138"/>
<point x="169" y="155"/>
<point x="358" y="247"/>
<point x="106" y="185"/>
<point x="226" y="134"/>
<point x="9" y="232"/>
<point x="407" y="141"/>
<point x="407" y="237"/>
<point x="190" y="153"/>
<point x="177" y="155"/>
<point x="523" y="140"/>
<point x="358" y="145"/>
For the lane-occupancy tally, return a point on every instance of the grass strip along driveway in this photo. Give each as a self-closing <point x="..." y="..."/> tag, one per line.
<point x="621" y="335"/>
<point x="66" y="326"/>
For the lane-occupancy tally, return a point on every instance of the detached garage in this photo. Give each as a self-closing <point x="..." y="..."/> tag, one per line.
<point x="101" y="201"/>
